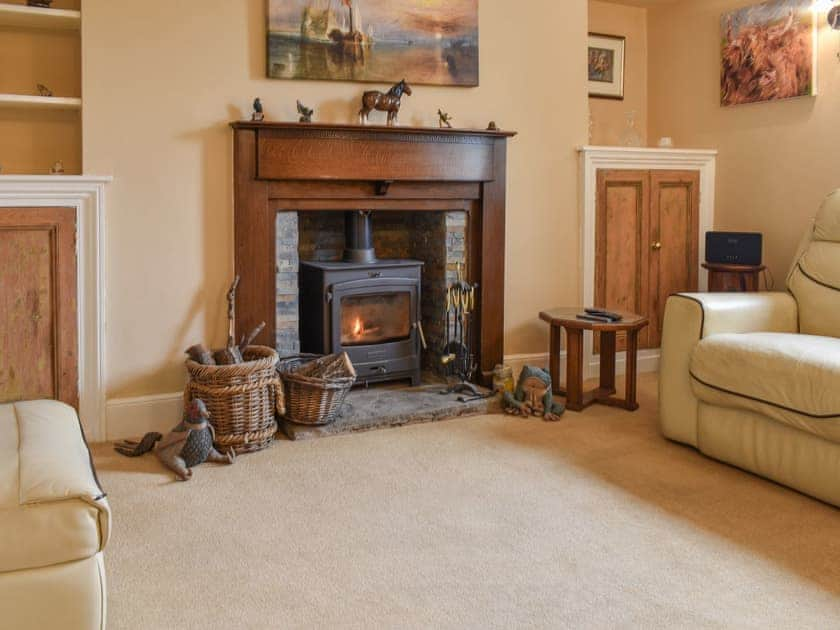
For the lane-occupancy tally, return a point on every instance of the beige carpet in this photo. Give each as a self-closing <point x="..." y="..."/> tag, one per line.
<point x="489" y="522"/>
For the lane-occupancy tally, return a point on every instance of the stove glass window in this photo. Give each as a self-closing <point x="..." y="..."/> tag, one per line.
<point x="372" y="319"/>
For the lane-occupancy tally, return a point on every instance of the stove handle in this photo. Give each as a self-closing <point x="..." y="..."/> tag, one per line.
<point x="418" y="325"/>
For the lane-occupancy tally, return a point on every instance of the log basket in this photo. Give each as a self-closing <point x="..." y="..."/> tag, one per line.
<point x="315" y="386"/>
<point x="242" y="399"/>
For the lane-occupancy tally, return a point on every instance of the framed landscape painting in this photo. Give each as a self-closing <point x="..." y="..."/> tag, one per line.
<point x="768" y="52"/>
<point x="606" y="66"/>
<point x="431" y="42"/>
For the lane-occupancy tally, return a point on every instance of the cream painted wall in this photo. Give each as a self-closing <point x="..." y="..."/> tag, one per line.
<point x="777" y="160"/>
<point x="610" y="116"/>
<point x="161" y="83"/>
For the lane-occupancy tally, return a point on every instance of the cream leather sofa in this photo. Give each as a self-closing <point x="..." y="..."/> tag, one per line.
<point x="754" y="379"/>
<point x="54" y="521"/>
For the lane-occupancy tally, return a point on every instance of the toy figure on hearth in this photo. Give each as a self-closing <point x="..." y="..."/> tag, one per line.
<point x="533" y="396"/>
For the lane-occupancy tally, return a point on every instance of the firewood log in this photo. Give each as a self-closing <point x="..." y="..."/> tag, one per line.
<point x="246" y="340"/>
<point x="200" y="354"/>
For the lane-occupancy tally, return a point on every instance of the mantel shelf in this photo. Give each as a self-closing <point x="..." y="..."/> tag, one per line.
<point x="22" y="16"/>
<point x="40" y="102"/>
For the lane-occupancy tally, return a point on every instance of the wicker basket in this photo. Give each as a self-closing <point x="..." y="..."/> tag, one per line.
<point x="315" y="400"/>
<point x="242" y="399"/>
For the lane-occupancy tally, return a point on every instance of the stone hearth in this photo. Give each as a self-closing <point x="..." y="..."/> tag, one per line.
<point x="393" y="405"/>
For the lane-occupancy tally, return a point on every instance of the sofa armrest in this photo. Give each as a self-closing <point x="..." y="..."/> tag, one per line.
<point x="690" y="317"/>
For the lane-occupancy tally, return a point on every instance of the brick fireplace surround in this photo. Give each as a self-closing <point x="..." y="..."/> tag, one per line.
<point x="291" y="179"/>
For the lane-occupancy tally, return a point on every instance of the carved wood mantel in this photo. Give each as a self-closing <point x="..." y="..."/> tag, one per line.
<point x="311" y="167"/>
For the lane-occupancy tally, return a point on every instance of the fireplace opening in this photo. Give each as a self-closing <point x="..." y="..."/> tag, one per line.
<point x="369" y="284"/>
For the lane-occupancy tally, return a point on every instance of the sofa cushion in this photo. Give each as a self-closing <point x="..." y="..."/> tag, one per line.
<point x="52" y="509"/>
<point x="791" y="378"/>
<point x="814" y="279"/>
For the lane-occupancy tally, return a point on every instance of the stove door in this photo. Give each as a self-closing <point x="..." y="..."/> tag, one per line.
<point x="375" y="321"/>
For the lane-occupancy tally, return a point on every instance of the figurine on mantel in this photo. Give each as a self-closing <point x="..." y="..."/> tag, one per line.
<point x="444" y="120"/>
<point x="57" y="168"/>
<point x="384" y="102"/>
<point x="305" y="113"/>
<point x="492" y="126"/>
<point x="257" y="115"/>
<point x="43" y="90"/>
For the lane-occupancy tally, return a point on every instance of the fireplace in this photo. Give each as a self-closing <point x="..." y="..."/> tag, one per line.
<point x="365" y="307"/>
<point x="289" y="177"/>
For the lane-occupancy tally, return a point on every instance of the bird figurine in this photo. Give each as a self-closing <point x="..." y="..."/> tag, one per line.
<point x="305" y="113"/>
<point x="258" y="115"/>
<point x="444" y="119"/>
<point x="43" y="90"/>
<point x="188" y="444"/>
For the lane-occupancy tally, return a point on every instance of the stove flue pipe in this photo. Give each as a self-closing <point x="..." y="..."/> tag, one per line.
<point x="358" y="237"/>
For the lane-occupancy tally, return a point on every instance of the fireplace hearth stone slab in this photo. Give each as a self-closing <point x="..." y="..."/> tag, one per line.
<point x="392" y="406"/>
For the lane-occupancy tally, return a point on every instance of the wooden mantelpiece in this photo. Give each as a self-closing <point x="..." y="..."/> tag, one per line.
<point x="311" y="167"/>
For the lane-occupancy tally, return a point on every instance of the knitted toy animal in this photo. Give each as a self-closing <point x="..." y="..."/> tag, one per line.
<point x="190" y="443"/>
<point x="533" y="396"/>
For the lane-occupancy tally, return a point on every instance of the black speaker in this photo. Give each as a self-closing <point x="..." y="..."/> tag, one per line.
<point x="733" y="248"/>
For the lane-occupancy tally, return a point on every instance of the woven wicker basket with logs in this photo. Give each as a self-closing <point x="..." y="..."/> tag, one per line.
<point x="316" y="386"/>
<point x="242" y="398"/>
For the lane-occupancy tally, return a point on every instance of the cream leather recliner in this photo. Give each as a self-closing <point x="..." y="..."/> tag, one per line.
<point x="54" y="521"/>
<point x="753" y="379"/>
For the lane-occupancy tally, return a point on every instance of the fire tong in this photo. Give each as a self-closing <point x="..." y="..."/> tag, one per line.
<point x="458" y="357"/>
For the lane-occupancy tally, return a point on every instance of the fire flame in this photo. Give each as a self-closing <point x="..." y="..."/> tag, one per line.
<point x="357" y="327"/>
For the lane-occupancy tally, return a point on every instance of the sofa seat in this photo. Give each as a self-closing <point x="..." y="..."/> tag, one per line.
<point x="52" y="509"/>
<point x="791" y="378"/>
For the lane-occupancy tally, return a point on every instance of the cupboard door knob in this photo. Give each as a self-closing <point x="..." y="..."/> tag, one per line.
<point x="656" y="246"/>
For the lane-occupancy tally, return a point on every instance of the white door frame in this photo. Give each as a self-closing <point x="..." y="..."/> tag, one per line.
<point x="595" y="158"/>
<point x="87" y="195"/>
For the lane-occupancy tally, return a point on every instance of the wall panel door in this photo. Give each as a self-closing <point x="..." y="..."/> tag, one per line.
<point x="622" y="264"/>
<point x="38" y="305"/>
<point x="646" y="242"/>
<point x="674" y="224"/>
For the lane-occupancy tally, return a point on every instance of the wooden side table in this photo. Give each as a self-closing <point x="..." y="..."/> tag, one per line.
<point x="576" y="398"/>
<point x="733" y="278"/>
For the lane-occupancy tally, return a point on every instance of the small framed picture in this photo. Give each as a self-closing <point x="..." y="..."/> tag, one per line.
<point x="606" y="66"/>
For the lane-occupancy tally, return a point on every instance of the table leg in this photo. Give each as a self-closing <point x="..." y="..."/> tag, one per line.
<point x="556" y="349"/>
<point x="632" y="370"/>
<point x="574" y="369"/>
<point x="608" y="362"/>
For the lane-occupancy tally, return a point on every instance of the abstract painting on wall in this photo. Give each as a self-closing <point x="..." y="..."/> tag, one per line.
<point x="768" y="52"/>
<point x="431" y="42"/>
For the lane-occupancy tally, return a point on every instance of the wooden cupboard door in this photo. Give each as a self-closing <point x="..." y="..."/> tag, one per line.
<point x="38" y="320"/>
<point x="674" y="240"/>
<point x="622" y="223"/>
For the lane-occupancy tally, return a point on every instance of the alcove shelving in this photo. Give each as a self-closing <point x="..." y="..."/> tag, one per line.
<point x="42" y="46"/>
<point x="22" y="16"/>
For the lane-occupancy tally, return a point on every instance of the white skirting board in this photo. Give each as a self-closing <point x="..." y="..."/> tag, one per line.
<point x="133" y="417"/>
<point x="648" y="362"/>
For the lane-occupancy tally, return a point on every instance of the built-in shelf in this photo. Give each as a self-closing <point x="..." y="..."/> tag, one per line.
<point x="40" y="102"/>
<point x="34" y="17"/>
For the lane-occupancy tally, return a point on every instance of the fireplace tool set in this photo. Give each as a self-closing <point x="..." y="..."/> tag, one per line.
<point x="458" y="357"/>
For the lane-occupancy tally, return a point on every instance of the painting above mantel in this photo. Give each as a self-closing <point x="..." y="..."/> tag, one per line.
<point x="381" y="41"/>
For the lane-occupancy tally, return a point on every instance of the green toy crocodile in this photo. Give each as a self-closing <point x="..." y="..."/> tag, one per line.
<point x="533" y="396"/>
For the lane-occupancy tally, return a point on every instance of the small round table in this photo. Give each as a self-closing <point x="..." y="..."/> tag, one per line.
<point x="576" y="398"/>
<point x="725" y="277"/>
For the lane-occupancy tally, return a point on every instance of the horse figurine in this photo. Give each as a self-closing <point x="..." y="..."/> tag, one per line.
<point x="388" y="102"/>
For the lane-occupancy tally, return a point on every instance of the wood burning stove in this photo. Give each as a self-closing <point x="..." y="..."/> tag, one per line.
<point x="366" y="307"/>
